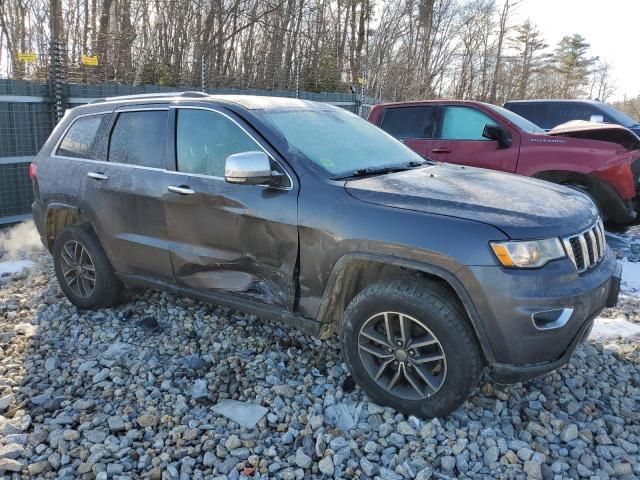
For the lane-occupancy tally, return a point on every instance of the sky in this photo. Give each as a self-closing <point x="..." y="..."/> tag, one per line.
<point x="611" y="27"/>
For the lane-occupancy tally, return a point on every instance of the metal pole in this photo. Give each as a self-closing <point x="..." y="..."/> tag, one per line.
<point x="57" y="60"/>
<point x="57" y="78"/>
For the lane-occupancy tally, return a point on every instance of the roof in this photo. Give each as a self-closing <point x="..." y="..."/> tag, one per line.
<point x="417" y="103"/>
<point x="251" y="102"/>
<point x="557" y="100"/>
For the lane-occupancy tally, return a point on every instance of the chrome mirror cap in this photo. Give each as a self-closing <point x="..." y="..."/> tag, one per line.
<point x="249" y="168"/>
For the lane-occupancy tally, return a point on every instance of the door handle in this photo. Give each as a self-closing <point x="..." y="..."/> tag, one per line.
<point x="97" y="176"/>
<point x="441" y="150"/>
<point x="181" y="190"/>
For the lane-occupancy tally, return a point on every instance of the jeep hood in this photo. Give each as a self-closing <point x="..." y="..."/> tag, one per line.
<point x="522" y="207"/>
<point x="606" y="132"/>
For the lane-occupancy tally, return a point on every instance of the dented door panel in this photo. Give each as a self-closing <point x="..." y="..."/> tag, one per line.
<point x="240" y="239"/>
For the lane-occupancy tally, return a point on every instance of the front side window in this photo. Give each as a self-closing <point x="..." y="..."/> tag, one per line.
<point x="82" y="138"/>
<point x="337" y="141"/>
<point x="563" y="112"/>
<point x="409" y="122"/>
<point x="138" y="138"/>
<point x="464" y="123"/>
<point x="204" y="140"/>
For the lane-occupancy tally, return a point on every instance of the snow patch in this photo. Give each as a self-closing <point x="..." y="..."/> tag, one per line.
<point x="605" y="329"/>
<point x="630" y="276"/>
<point x="14" y="266"/>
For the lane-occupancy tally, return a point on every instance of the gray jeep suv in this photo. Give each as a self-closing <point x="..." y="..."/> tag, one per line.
<point x="305" y="213"/>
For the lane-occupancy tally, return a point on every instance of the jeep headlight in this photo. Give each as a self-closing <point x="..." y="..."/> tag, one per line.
<point x="528" y="254"/>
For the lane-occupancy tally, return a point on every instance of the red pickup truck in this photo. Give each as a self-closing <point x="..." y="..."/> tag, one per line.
<point x="602" y="160"/>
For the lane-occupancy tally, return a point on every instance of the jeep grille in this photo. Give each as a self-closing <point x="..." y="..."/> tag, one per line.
<point x="586" y="249"/>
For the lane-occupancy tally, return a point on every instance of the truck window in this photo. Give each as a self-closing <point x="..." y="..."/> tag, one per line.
<point x="81" y="140"/>
<point x="535" y="112"/>
<point x="562" y="112"/>
<point x="409" y="122"/>
<point x="138" y="138"/>
<point x="464" y="123"/>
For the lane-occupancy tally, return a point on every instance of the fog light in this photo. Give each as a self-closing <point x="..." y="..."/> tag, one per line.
<point x="551" y="319"/>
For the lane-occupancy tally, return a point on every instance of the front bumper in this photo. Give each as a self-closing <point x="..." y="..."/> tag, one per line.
<point x="508" y="300"/>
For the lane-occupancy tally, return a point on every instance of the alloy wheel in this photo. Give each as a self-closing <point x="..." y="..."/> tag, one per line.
<point x="78" y="269"/>
<point x="402" y="355"/>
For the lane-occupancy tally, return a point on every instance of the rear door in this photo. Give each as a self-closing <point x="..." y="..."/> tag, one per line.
<point x="79" y="150"/>
<point x="232" y="238"/>
<point x="413" y="125"/>
<point x="124" y="196"/>
<point x="460" y="140"/>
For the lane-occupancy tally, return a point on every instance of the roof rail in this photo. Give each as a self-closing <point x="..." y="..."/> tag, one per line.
<point x="144" y="96"/>
<point x="194" y="93"/>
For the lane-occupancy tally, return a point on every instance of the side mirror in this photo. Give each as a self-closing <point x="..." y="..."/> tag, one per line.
<point x="596" y="118"/>
<point x="498" y="133"/>
<point x="248" y="168"/>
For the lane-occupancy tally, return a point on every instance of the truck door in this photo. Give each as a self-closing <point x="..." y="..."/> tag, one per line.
<point x="460" y="140"/>
<point x="413" y="125"/>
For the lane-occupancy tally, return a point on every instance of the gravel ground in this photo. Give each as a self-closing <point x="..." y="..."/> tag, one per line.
<point x="144" y="390"/>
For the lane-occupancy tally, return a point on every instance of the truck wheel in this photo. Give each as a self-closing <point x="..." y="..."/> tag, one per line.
<point x="83" y="270"/>
<point x="587" y="191"/>
<point x="408" y="345"/>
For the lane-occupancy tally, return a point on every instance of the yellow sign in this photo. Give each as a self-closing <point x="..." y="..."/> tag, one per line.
<point x="29" y="57"/>
<point x="90" y="60"/>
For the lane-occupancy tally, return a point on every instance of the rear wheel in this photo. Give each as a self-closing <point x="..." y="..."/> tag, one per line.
<point x="83" y="270"/>
<point x="409" y="346"/>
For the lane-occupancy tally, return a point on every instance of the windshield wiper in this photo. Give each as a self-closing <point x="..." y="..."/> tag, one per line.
<point x="365" y="172"/>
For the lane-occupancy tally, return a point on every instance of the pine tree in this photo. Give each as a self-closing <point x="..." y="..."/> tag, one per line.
<point x="573" y="64"/>
<point x="530" y="47"/>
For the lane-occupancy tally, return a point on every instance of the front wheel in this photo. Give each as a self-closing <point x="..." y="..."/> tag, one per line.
<point x="580" y="187"/>
<point x="408" y="345"/>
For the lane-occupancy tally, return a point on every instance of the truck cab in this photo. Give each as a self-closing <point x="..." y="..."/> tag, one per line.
<point x="599" y="160"/>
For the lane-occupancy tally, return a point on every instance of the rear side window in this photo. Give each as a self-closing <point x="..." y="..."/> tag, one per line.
<point x="409" y="122"/>
<point x="534" y="112"/>
<point x="464" y="123"/>
<point x="138" y="138"/>
<point x="205" y="139"/>
<point x="82" y="138"/>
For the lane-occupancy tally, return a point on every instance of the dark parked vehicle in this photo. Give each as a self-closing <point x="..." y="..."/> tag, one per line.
<point x="305" y="213"/>
<point x="548" y="114"/>
<point x="483" y="135"/>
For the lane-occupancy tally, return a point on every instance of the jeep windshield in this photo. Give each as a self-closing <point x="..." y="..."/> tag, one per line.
<point x="342" y="144"/>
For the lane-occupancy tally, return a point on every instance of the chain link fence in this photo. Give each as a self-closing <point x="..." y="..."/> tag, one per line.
<point x="30" y="109"/>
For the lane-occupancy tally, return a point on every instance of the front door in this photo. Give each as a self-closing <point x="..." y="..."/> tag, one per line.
<point x="124" y="195"/>
<point x="233" y="238"/>
<point x="414" y="126"/>
<point x="461" y="141"/>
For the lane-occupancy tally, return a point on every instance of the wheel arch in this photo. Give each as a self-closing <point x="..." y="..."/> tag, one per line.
<point x="613" y="207"/>
<point x="355" y="271"/>
<point x="57" y="217"/>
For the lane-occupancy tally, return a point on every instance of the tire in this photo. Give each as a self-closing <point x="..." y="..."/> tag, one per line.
<point x="432" y="313"/>
<point x="104" y="290"/>
<point x="584" y="189"/>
